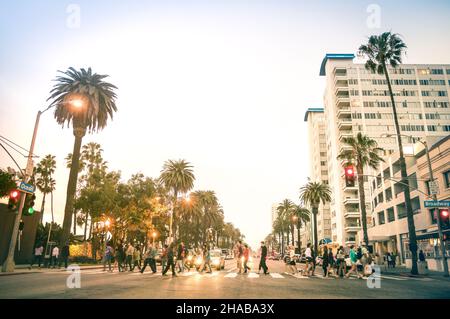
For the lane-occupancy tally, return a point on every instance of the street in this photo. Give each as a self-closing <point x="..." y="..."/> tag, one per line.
<point x="221" y="284"/>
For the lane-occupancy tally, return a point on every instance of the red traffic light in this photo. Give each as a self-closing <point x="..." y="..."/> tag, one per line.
<point x="14" y="194"/>
<point x="349" y="171"/>
<point x="444" y="213"/>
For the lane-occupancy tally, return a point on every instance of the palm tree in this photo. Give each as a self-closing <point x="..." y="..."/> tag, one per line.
<point x="381" y="51"/>
<point x="301" y="215"/>
<point x="177" y="176"/>
<point x="364" y="152"/>
<point x="312" y="194"/>
<point x="86" y="100"/>
<point x="284" y="210"/>
<point x="44" y="181"/>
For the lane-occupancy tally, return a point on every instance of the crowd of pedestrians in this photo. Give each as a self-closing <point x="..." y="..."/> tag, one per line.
<point x="55" y="258"/>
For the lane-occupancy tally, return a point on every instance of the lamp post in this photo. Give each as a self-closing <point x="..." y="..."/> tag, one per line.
<point x="9" y="265"/>
<point x="153" y="237"/>
<point x="434" y="196"/>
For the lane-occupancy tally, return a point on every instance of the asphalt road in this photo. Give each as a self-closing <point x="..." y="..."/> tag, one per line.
<point x="221" y="284"/>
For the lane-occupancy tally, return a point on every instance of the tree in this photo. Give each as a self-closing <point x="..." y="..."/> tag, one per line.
<point x="364" y="152"/>
<point x="86" y="100"/>
<point x="302" y="217"/>
<point x="178" y="177"/>
<point x="284" y="210"/>
<point x="381" y="51"/>
<point x="312" y="194"/>
<point x="7" y="183"/>
<point x="44" y="180"/>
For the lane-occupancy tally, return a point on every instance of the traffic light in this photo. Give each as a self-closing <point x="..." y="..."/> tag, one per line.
<point x="21" y="225"/>
<point x="14" y="198"/>
<point x="28" y="207"/>
<point x="349" y="176"/>
<point x="444" y="219"/>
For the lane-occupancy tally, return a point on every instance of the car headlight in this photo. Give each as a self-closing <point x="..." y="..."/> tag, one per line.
<point x="189" y="258"/>
<point x="199" y="261"/>
<point x="216" y="262"/>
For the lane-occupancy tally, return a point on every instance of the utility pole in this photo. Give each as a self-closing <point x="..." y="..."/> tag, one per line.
<point x="9" y="265"/>
<point x="436" y="212"/>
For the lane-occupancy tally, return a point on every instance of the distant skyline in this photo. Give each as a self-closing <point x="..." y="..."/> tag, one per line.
<point x="221" y="84"/>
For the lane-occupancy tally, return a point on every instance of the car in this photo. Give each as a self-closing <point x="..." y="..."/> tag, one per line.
<point x="217" y="259"/>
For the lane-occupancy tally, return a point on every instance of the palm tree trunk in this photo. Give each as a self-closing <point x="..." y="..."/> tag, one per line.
<point x="315" y="210"/>
<point x="74" y="222"/>
<point x="72" y="185"/>
<point x="405" y="183"/>
<point x="42" y="207"/>
<point x="287" y="236"/>
<point x="298" y="238"/>
<point x="292" y="235"/>
<point x="85" y="225"/>
<point x="362" y="202"/>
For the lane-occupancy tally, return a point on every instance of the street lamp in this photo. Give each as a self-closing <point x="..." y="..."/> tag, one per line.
<point x="434" y="196"/>
<point x="9" y="265"/>
<point x="154" y="236"/>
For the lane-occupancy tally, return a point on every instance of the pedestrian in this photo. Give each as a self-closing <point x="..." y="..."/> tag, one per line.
<point x="421" y="256"/>
<point x="246" y="258"/>
<point x="55" y="257"/>
<point x="389" y="259"/>
<point x="240" y="255"/>
<point x="150" y="256"/>
<point x="291" y="263"/>
<point x="164" y="252"/>
<point x="207" y="259"/>
<point x="136" y="258"/>
<point x="120" y="256"/>
<point x="340" y="259"/>
<point x="170" y="261"/>
<point x="353" y="260"/>
<point x="309" y="259"/>
<point x="181" y="253"/>
<point x="129" y="253"/>
<point x="394" y="259"/>
<point x="325" y="262"/>
<point x="331" y="262"/>
<point x="64" y="256"/>
<point x="263" y="257"/>
<point x="37" y="256"/>
<point x="107" y="256"/>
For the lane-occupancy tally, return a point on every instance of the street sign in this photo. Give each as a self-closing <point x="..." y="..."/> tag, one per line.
<point x="434" y="188"/>
<point x="437" y="203"/>
<point x="26" y="188"/>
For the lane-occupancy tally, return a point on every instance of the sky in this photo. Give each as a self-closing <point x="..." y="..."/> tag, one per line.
<point x="221" y="84"/>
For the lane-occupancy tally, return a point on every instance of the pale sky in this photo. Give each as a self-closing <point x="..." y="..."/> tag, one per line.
<point x="222" y="84"/>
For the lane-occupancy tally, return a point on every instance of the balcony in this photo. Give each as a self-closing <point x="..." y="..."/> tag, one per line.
<point x="352" y="227"/>
<point x="352" y="214"/>
<point x="344" y="111"/>
<point x="342" y="100"/>
<point x="340" y="72"/>
<point x="351" y="189"/>
<point x="350" y="241"/>
<point x="345" y="124"/>
<point x="339" y="81"/>
<point x="341" y="90"/>
<point x="345" y="134"/>
<point x="345" y="147"/>
<point x="351" y="201"/>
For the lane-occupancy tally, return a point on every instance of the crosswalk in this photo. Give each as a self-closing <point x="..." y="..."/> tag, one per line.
<point x="229" y="274"/>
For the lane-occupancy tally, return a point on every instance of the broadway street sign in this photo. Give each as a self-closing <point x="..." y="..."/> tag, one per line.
<point x="26" y="188"/>
<point x="437" y="203"/>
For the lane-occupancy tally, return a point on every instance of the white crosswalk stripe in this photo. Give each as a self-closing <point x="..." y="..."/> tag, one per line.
<point x="253" y="275"/>
<point x="276" y="275"/>
<point x="231" y="275"/>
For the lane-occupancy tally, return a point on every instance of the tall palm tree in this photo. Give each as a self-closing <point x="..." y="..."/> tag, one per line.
<point x="302" y="216"/>
<point x="381" y="51"/>
<point x="177" y="176"/>
<point x="86" y="100"/>
<point x="364" y="152"/>
<point x="312" y="194"/>
<point x="44" y="181"/>
<point x="284" y="210"/>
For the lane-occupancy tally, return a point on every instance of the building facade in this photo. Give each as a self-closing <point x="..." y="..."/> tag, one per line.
<point x="390" y="228"/>
<point x="356" y="100"/>
<point x="318" y="170"/>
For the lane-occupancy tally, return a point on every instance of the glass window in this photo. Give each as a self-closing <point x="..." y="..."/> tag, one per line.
<point x="381" y="219"/>
<point x="447" y="179"/>
<point x="391" y="215"/>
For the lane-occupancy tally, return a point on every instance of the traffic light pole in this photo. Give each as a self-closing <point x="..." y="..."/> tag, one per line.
<point x="436" y="211"/>
<point x="9" y="265"/>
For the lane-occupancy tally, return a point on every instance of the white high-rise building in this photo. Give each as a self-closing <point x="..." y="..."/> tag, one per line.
<point x="318" y="168"/>
<point x="274" y="212"/>
<point x="356" y="100"/>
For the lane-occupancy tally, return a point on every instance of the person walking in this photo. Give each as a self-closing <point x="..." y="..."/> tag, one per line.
<point x="331" y="263"/>
<point x="291" y="263"/>
<point x="164" y="252"/>
<point x="107" y="257"/>
<point x="263" y="257"/>
<point x="64" y="256"/>
<point x="389" y="260"/>
<point x="421" y="256"/>
<point x="340" y="259"/>
<point x="120" y="256"/>
<point x="55" y="257"/>
<point x="239" y="253"/>
<point x="246" y="253"/>
<point x="136" y="259"/>
<point x="309" y="260"/>
<point x="353" y="260"/>
<point x="38" y="251"/>
<point x="150" y="256"/>
<point x="181" y="253"/>
<point x="129" y="254"/>
<point x="207" y="260"/>
<point x="170" y="261"/>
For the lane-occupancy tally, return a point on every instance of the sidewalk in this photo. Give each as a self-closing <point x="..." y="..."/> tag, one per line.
<point x="403" y="271"/>
<point x="24" y="269"/>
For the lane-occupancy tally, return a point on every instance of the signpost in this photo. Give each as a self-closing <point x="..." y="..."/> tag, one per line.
<point x="436" y="203"/>
<point x="27" y="188"/>
<point x="434" y="188"/>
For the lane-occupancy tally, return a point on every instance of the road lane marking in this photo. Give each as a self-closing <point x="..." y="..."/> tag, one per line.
<point x="231" y="275"/>
<point x="276" y="275"/>
<point x="394" y="278"/>
<point x="232" y="269"/>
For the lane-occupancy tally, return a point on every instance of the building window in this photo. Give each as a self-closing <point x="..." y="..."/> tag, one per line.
<point x="391" y="215"/>
<point x="433" y="217"/>
<point x="381" y="220"/>
<point x="447" y="179"/>
<point x="401" y="211"/>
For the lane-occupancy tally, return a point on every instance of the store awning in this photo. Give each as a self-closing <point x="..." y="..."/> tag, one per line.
<point x="432" y="234"/>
